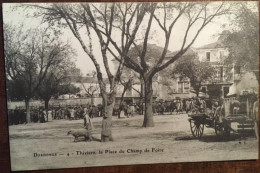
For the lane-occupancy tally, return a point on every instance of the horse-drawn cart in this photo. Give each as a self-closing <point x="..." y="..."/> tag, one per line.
<point x="221" y="118"/>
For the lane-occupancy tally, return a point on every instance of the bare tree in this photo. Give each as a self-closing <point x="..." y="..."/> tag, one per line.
<point x="92" y="88"/>
<point x="37" y="52"/>
<point x="162" y="13"/>
<point x="129" y="80"/>
<point x="127" y="85"/>
<point x="100" y="20"/>
<point x="125" y="19"/>
<point x="90" y="91"/>
<point x="56" y="81"/>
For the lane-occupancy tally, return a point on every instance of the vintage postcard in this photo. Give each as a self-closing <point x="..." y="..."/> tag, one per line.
<point x="99" y="84"/>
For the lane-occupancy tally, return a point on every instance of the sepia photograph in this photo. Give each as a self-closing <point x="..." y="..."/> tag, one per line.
<point x="127" y="83"/>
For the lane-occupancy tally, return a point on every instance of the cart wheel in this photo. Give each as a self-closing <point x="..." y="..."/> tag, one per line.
<point x="196" y="128"/>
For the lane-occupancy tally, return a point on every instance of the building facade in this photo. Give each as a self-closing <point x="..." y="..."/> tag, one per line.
<point x="225" y="82"/>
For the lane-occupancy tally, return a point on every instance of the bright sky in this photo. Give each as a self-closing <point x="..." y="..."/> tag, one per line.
<point x="208" y="35"/>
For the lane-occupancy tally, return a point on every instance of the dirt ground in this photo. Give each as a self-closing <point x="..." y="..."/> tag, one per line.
<point x="47" y="145"/>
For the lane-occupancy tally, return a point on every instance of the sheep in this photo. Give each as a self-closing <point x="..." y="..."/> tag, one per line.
<point x="79" y="133"/>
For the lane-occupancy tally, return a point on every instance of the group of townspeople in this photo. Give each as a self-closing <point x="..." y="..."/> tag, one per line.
<point x="180" y="105"/>
<point x="124" y="110"/>
<point x="41" y="115"/>
<point x="199" y="105"/>
<point x="162" y="106"/>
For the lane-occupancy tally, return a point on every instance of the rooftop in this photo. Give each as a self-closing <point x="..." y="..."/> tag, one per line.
<point x="189" y="52"/>
<point x="85" y="79"/>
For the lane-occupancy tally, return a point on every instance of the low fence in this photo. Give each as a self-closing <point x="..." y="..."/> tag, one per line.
<point x="58" y="102"/>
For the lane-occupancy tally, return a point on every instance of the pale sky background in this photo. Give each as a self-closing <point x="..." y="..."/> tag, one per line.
<point x="208" y="35"/>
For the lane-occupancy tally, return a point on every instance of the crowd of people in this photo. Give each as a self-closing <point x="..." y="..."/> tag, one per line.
<point x="164" y="107"/>
<point x="189" y="105"/>
<point x="126" y="110"/>
<point x="181" y="105"/>
<point x="199" y="105"/>
<point x="41" y="115"/>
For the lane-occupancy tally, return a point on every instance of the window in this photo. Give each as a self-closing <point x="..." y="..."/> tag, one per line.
<point x="208" y="56"/>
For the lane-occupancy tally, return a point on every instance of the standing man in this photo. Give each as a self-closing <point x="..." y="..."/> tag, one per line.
<point x="88" y="124"/>
<point x="132" y="107"/>
<point x="41" y="115"/>
<point x="45" y="115"/>
<point x="49" y="115"/>
<point x="72" y="113"/>
<point x="188" y="105"/>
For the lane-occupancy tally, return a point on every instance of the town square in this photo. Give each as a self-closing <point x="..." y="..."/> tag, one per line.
<point x="101" y="84"/>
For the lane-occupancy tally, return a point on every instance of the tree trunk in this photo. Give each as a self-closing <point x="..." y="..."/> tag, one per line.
<point x="46" y="103"/>
<point x="92" y="100"/>
<point x="148" y="98"/>
<point x="197" y="89"/>
<point x="122" y="96"/>
<point x="108" y="102"/>
<point x="142" y="94"/>
<point x="27" y="108"/>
